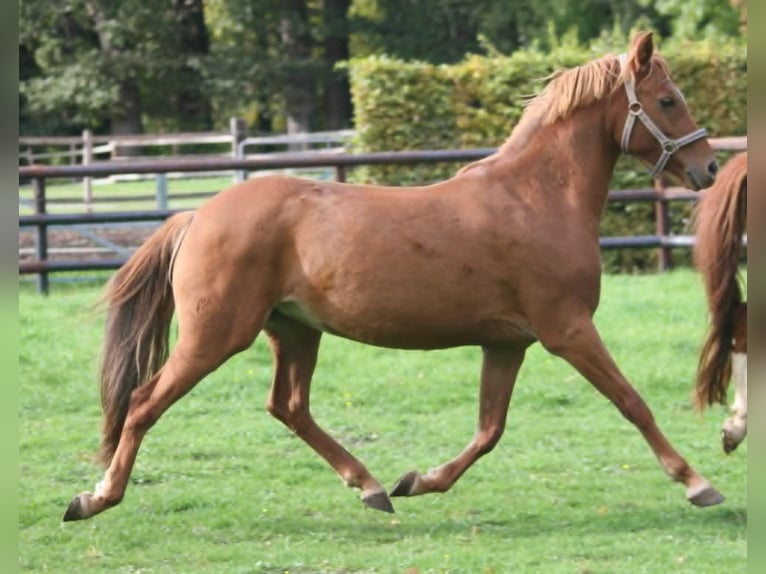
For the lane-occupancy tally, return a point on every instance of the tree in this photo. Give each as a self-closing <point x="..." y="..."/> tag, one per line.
<point x="187" y="64"/>
<point x="100" y="62"/>
<point x="274" y="62"/>
<point x="694" y="19"/>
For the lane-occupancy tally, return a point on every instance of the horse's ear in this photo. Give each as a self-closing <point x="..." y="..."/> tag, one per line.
<point x="641" y="54"/>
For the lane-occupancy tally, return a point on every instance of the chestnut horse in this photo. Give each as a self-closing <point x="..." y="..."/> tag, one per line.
<point x="502" y="255"/>
<point x="720" y="221"/>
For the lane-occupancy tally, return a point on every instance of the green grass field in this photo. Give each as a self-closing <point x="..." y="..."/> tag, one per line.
<point x="220" y="486"/>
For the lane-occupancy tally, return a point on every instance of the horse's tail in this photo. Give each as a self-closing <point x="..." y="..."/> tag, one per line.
<point x="720" y="221"/>
<point x="139" y="304"/>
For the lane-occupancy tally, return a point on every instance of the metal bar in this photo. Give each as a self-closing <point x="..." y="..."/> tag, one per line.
<point x="41" y="235"/>
<point x="26" y="267"/>
<point x="272" y="161"/>
<point x="662" y="225"/>
<point x="85" y="231"/>
<point x="638" y="241"/>
<point x="89" y="218"/>
<point x="161" y="185"/>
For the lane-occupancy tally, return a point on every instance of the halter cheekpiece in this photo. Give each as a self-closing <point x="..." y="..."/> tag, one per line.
<point x="636" y="111"/>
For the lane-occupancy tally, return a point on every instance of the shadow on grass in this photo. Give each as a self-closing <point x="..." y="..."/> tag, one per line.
<point x="713" y="521"/>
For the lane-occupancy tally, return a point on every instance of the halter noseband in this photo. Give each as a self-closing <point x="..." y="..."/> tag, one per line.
<point x="636" y="110"/>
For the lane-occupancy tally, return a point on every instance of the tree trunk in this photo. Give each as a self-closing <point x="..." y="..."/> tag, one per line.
<point x="337" y="92"/>
<point x="299" y="81"/>
<point x="193" y="110"/>
<point x="125" y="119"/>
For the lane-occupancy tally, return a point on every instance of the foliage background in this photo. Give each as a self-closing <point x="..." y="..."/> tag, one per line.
<point x="154" y="65"/>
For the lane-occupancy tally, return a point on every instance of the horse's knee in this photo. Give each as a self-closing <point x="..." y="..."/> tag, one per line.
<point x="635" y="409"/>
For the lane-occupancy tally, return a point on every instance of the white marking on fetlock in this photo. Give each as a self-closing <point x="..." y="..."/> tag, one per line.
<point x="101" y="488"/>
<point x="739" y="374"/>
<point x="701" y="486"/>
<point x="85" y="504"/>
<point x="735" y="427"/>
<point x="701" y="493"/>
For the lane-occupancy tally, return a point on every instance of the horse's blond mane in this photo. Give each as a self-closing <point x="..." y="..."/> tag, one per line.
<point x="569" y="89"/>
<point x="566" y="91"/>
<point x="580" y="86"/>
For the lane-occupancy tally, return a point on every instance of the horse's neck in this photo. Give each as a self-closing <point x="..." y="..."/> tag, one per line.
<point x="570" y="158"/>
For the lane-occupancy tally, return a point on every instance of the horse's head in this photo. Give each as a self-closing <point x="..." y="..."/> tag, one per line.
<point x="652" y="120"/>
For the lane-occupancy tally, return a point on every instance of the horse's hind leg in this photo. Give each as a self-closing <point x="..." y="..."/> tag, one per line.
<point x="498" y="376"/>
<point x="735" y="427"/>
<point x="580" y="344"/>
<point x="205" y="340"/>
<point x="294" y="347"/>
<point x="184" y="368"/>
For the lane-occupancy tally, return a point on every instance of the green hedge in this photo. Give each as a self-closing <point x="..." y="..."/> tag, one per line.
<point x="475" y="103"/>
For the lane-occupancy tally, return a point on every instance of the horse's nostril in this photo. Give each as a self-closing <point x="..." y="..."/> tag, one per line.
<point x="712" y="167"/>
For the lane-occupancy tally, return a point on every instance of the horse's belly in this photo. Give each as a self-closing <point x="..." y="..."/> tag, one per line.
<point x="417" y="328"/>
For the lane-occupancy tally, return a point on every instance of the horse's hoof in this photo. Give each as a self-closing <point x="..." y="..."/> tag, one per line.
<point x="729" y="442"/>
<point x="379" y="501"/>
<point x="706" y="496"/>
<point x="405" y="485"/>
<point x="729" y="446"/>
<point x="76" y="509"/>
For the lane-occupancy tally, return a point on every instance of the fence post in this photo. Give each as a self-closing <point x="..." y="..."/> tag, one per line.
<point x="161" y="185"/>
<point x="87" y="159"/>
<point x="340" y="173"/>
<point x="237" y="130"/>
<point x="41" y="233"/>
<point x="662" y="225"/>
<point x="73" y="158"/>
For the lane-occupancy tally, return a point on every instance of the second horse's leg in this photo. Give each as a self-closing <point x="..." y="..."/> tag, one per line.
<point x="735" y="427"/>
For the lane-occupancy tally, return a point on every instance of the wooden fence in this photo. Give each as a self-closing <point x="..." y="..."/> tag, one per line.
<point x="90" y="149"/>
<point x="339" y="162"/>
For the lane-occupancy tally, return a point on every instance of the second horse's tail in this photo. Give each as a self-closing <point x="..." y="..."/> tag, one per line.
<point x="720" y="221"/>
<point x="140" y="306"/>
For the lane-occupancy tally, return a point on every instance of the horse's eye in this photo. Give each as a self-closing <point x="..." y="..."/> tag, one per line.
<point x="667" y="102"/>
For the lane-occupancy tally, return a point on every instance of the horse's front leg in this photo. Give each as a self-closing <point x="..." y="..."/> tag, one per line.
<point x="498" y="376"/>
<point x="735" y="427"/>
<point x="580" y="344"/>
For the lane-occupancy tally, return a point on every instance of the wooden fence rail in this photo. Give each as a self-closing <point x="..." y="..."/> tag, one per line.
<point x="339" y="161"/>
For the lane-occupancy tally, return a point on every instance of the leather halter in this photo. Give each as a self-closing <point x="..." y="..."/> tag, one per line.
<point x="636" y="111"/>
